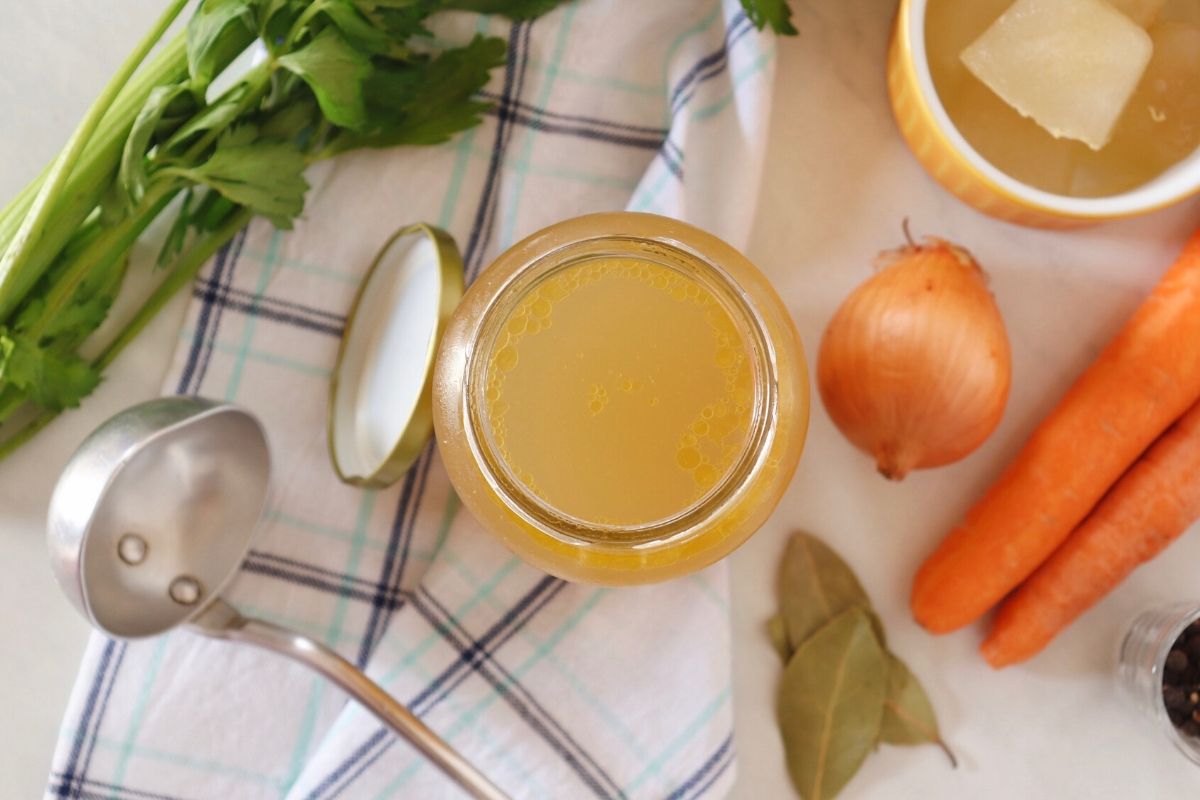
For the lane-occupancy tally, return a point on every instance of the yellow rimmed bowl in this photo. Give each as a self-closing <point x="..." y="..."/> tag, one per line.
<point x="951" y="160"/>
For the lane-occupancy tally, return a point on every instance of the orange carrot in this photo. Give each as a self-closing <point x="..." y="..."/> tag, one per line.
<point x="1142" y="382"/>
<point x="1148" y="508"/>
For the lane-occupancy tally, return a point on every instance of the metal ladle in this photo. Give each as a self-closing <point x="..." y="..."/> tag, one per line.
<point x="152" y="518"/>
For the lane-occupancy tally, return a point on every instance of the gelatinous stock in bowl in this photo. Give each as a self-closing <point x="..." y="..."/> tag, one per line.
<point x="949" y="157"/>
<point x="621" y="398"/>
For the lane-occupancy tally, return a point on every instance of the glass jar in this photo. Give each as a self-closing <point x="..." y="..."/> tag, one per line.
<point x="1141" y="663"/>
<point x="580" y="358"/>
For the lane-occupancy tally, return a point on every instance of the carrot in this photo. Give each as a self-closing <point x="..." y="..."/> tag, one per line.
<point x="1142" y="382"/>
<point x="1148" y="508"/>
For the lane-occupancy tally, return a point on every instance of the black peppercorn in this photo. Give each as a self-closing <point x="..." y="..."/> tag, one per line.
<point x="1175" y="699"/>
<point x="1181" y="681"/>
<point x="1192" y="648"/>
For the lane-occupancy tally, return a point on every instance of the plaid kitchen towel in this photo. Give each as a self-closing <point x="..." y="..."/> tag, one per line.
<point x="555" y="690"/>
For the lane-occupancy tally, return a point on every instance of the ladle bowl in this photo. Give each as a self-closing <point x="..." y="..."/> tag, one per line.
<point x="153" y="515"/>
<point x="152" y="518"/>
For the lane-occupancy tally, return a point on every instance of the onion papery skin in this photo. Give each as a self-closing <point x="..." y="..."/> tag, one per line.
<point x="915" y="366"/>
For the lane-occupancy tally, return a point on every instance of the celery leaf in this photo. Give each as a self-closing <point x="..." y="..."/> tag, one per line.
<point x="356" y="27"/>
<point x="775" y="13"/>
<point x="427" y="101"/>
<point x="132" y="174"/>
<point x="52" y="380"/>
<point x="266" y="176"/>
<point x="335" y="72"/>
<point x="216" y="33"/>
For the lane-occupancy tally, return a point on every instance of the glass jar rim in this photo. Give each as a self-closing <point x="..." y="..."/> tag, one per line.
<point x="685" y="256"/>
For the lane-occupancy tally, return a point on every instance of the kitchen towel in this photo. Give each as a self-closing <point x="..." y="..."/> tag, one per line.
<point x="554" y="690"/>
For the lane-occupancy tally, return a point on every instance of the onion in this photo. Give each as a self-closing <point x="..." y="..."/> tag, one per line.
<point x="915" y="366"/>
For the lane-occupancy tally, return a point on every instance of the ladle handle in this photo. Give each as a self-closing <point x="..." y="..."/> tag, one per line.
<point x="222" y="621"/>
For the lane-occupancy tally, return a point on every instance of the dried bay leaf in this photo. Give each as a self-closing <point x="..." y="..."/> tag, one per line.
<point x="830" y="704"/>
<point x="816" y="585"/>
<point x="908" y="716"/>
<point x="822" y="608"/>
<point x="777" y="632"/>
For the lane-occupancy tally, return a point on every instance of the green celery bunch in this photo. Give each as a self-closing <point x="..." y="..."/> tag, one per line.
<point x="338" y="75"/>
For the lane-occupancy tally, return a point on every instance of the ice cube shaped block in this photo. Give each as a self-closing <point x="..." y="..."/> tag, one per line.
<point x="1070" y="65"/>
<point x="1143" y="12"/>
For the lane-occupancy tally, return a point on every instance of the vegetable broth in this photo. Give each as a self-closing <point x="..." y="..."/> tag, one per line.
<point x="619" y="391"/>
<point x="1159" y="127"/>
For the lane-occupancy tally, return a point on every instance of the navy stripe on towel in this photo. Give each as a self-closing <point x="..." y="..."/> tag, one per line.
<point x="69" y="777"/>
<point x="378" y="743"/>
<point x="396" y="555"/>
<point x="529" y="709"/>
<point x="485" y="212"/>
<point x="711" y="64"/>
<point x="109" y="791"/>
<point x="708" y="772"/>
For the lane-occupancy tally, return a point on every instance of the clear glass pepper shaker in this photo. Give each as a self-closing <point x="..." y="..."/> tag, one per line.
<point x="1141" y="666"/>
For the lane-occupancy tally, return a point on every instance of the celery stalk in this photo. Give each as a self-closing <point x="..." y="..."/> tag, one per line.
<point x="91" y="175"/>
<point x="179" y="275"/>
<point x="16" y="256"/>
<point x="112" y="244"/>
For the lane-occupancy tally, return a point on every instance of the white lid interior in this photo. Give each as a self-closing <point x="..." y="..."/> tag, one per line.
<point x="387" y="351"/>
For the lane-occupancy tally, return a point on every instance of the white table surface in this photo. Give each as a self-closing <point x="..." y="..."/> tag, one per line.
<point x="839" y="182"/>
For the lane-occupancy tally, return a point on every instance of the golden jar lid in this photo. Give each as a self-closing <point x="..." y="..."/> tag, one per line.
<point x="380" y="412"/>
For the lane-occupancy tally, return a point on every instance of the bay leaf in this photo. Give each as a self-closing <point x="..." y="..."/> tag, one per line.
<point x="908" y="716"/>
<point x="816" y="585"/>
<point x="777" y="632"/>
<point x="830" y="704"/>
